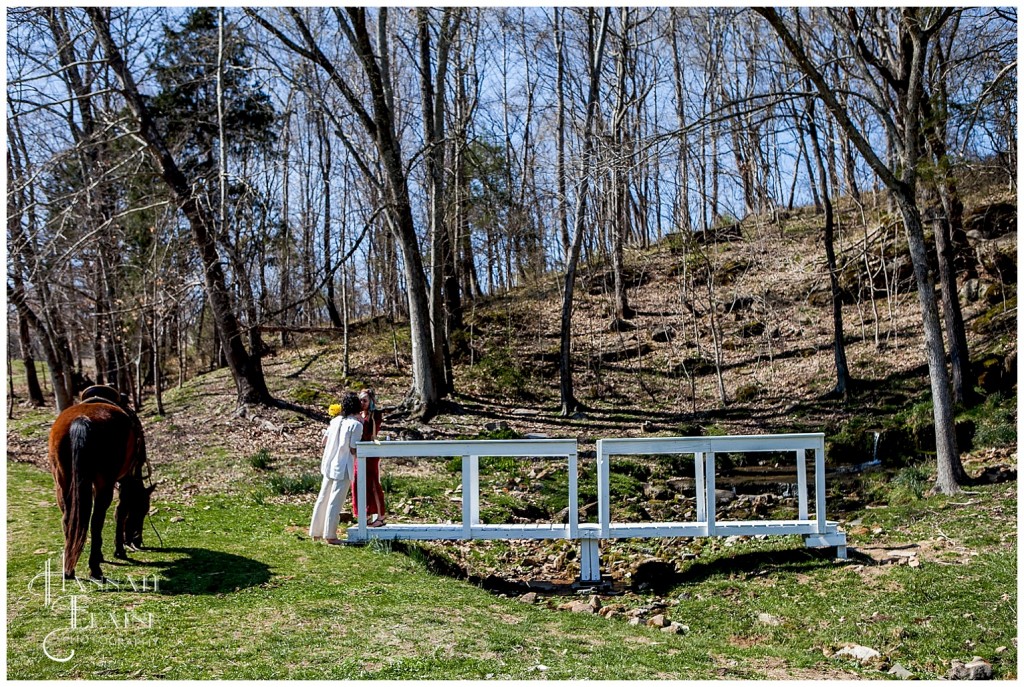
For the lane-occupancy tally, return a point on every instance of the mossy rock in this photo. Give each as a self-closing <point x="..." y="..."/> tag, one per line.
<point x="730" y="270"/>
<point x="747" y="393"/>
<point x="999" y="318"/>
<point x="991" y="220"/>
<point x="752" y="329"/>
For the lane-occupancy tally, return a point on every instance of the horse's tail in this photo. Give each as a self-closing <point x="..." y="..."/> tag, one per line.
<point x="79" y="506"/>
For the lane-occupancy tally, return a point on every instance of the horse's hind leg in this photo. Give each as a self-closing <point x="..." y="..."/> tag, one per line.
<point x="103" y="498"/>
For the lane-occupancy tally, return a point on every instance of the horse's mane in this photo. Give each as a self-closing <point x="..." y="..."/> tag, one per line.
<point x="101" y="393"/>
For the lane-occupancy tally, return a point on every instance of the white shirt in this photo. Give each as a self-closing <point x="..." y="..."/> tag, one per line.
<point x="342" y="435"/>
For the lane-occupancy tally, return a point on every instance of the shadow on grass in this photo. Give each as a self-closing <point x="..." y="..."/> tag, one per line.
<point x="202" y="571"/>
<point x="751" y="563"/>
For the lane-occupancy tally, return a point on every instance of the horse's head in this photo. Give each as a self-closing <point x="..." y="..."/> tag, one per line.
<point x="135" y="497"/>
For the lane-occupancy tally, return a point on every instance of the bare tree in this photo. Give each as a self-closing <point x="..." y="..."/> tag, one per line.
<point x="245" y="365"/>
<point x="379" y="123"/>
<point x="903" y="74"/>
<point x="595" y="58"/>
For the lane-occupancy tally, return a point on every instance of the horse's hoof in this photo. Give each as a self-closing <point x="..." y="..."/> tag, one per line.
<point x="69" y="575"/>
<point x="121" y="554"/>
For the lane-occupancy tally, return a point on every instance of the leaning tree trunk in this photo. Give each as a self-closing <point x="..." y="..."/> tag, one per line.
<point x="245" y="367"/>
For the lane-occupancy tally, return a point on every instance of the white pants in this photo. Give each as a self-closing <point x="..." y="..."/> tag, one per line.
<point x="327" y="510"/>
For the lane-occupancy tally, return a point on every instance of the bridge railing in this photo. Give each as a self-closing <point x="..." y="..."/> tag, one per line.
<point x="817" y="531"/>
<point x="703" y="450"/>
<point x="470" y="451"/>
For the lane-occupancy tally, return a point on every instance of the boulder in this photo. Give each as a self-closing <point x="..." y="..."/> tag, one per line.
<point x="862" y="654"/>
<point x="657" y="621"/>
<point x="977" y="669"/>
<point x="902" y="673"/>
<point x="663" y="334"/>
<point x="686" y="486"/>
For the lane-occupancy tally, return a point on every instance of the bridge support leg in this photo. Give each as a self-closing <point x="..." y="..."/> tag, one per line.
<point x="590" y="560"/>
<point x="836" y="539"/>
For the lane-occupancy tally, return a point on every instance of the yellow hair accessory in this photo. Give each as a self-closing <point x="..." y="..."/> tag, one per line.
<point x="334" y="410"/>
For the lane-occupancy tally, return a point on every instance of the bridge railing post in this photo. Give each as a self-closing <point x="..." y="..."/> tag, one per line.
<point x="603" y="497"/>
<point x="700" y="487"/>
<point x="470" y="494"/>
<point x="709" y="491"/>
<point x="819" y="483"/>
<point x="801" y="481"/>
<point x="361" y="496"/>
<point x="574" y="500"/>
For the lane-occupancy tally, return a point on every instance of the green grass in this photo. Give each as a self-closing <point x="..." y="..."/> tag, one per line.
<point x="306" y="483"/>
<point x="261" y="460"/>
<point x="245" y="595"/>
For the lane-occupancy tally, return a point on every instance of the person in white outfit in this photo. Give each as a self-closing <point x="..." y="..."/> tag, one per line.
<point x="337" y="468"/>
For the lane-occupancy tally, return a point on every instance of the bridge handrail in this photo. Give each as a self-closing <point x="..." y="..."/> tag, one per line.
<point x="447" y="448"/>
<point x="470" y="450"/>
<point x="721" y="444"/>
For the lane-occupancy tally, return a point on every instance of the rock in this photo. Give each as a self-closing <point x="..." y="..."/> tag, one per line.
<point x="769" y="619"/>
<point x="861" y="654"/>
<point x="990" y="221"/>
<point x="655" y="492"/>
<point x="723" y="496"/>
<point x="611" y="614"/>
<point x="535" y="435"/>
<point x="496" y="426"/>
<point x="525" y="412"/>
<point x="675" y="628"/>
<point x="899" y="671"/>
<point x="1000" y="649"/>
<point x="634" y="621"/>
<point x="663" y="334"/>
<point x="177" y="518"/>
<point x="595" y="603"/>
<point x="977" y="669"/>
<point x="657" y="621"/>
<point x="409" y="434"/>
<point x="269" y="426"/>
<point x="529" y="597"/>
<point x="971" y="290"/>
<point x="682" y="485"/>
<point x="582" y="607"/>
<point x="566" y="606"/>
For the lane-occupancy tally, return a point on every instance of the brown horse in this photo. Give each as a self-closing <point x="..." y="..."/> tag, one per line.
<point x="93" y="446"/>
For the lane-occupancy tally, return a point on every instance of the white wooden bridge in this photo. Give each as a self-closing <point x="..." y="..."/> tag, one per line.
<point x="817" y="531"/>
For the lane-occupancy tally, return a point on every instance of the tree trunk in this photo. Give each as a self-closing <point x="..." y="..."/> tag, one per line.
<point x="245" y="367"/>
<point x="913" y="46"/>
<point x="842" y="388"/>
<point x="35" y="393"/>
<point x="568" y="397"/>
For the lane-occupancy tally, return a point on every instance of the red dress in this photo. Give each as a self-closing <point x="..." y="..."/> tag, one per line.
<point x="374" y="491"/>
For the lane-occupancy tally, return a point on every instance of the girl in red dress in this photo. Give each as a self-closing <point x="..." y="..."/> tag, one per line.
<point x="372" y="419"/>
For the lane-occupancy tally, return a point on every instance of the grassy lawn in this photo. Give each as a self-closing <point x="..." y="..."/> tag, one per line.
<point x="243" y="594"/>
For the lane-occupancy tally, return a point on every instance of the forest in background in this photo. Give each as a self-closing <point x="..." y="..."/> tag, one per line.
<point x="182" y="182"/>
